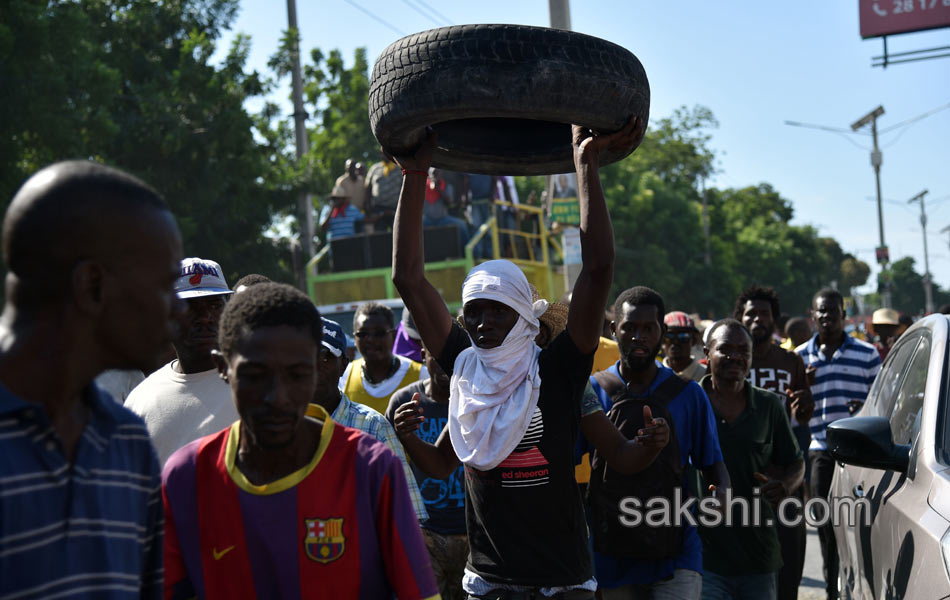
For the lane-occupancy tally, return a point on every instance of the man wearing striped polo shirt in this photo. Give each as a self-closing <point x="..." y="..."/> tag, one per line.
<point x="841" y="370"/>
<point x="339" y="218"/>
<point x="91" y="256"/>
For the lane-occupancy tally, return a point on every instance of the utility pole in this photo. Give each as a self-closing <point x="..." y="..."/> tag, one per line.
<point x="304" y="203"/>
<point x="560" y="13"/>
<point x="882" y="253"/>
<point x="928" y="291"/>
<point x="707" y="259"/>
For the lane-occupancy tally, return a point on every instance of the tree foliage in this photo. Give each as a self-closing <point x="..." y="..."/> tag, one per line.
<point x="335" y="98"/>
<point x="854" y="272"/>
<point x="655" y="199"/>
<point x="907" y="288"/>
<point x="131" y="83"/>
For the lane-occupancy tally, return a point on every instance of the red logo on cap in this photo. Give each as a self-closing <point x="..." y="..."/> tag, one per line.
<point x="195" y="279"/>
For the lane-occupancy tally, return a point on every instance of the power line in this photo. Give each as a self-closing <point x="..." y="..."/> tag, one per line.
<point x="421" y="12"/>
<point x="915" y="119"/>
<point x="852" y="142"/>
<point x="894" y="202"/>
<point x="842" y="132"/>
<point x="435" y="12"/>
<point x="374" y="17"/>
<point x="930" y="202"/>
<point x="896" y="139"/>
<point x="906" y="125"/>
<point x="824" y="127"/>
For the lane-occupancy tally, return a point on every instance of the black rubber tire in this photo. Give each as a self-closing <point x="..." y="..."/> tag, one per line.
<point x="502" y="97"/>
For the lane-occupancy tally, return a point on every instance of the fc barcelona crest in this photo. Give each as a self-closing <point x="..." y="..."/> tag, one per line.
<point x="324" y="542"/>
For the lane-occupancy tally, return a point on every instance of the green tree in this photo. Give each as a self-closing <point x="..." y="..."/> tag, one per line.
<point x="907" y="288"/>
<point x="854" y="273"/>
<point x="335" y="98"/>
<point x="655" y="200"/>
<point x="131" y="83"/>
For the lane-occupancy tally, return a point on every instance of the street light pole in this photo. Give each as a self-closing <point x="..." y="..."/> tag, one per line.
<point x="304" y="203"/>
<point x="876" y="159"/>
<point x="928" y="291"/>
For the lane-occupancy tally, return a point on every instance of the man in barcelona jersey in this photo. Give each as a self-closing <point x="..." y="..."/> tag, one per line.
<point x="286" y="503"/>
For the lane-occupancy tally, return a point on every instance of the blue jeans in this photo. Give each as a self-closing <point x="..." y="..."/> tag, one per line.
<point x="450" y="220"/>
<point x="739" y="587"/>
<point x="507" y="241"/>
<point x="684" y="585"/>
<point x="481" y="212"/>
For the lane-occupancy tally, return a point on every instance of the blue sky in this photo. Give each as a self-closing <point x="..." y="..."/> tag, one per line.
<point x="755" y="64"/>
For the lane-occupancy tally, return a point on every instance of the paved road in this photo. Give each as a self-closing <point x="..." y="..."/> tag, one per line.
<point x="813" y="582"/>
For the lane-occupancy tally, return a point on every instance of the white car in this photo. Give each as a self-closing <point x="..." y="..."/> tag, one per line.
<point x="896" y="454"/>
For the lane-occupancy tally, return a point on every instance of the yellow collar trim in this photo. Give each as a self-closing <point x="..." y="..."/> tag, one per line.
<point x="288" y="481"/>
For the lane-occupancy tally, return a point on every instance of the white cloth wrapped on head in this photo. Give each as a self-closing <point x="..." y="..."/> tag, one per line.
<point x="495" y="390"/>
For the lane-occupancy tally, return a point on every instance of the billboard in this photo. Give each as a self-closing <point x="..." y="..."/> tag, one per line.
<point x="887" y="17"/>
<point x="565" y="208"/>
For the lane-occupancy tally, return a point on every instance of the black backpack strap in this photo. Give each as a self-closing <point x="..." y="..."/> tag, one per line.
<point x="612" y="385"/>
<point x="670" y="388"/>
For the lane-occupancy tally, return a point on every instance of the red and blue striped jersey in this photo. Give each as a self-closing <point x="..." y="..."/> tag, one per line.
<point x="341" y="527"/>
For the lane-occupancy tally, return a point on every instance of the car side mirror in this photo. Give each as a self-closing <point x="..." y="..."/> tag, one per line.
<point x="867" y="442"/>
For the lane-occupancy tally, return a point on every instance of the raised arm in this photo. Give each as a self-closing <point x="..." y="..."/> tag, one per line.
<point x="585" y="319"/>
<point x="432" y="317"/>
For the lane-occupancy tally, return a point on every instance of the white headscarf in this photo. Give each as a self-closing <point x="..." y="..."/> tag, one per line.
<point x="495" y="391"/>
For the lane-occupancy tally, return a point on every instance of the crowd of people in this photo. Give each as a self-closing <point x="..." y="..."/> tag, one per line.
<point x="200" y="440"/>
<point x="365" y="201"/>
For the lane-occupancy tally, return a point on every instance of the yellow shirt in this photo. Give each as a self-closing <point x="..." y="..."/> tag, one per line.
<point x="377" y="397"/>
<point x="606" y="355"/>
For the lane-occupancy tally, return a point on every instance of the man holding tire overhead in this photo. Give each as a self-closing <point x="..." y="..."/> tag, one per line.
<point x="514" y="409"/>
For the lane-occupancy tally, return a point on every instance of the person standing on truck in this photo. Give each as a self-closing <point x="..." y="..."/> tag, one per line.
<point x="382" y="193"/>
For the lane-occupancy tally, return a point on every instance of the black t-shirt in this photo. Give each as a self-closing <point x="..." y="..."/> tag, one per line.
<point x="781" y="370"/>
<point x="444" y="498"/>
<point x="778" y="370"/>
<point x="525" y="518"/>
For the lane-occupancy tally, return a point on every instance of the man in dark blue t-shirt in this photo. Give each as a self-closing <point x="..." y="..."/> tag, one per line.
<point x="639" y="329"/>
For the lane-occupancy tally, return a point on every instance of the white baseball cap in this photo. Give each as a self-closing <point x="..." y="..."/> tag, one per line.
<point x="200" y="277"/>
